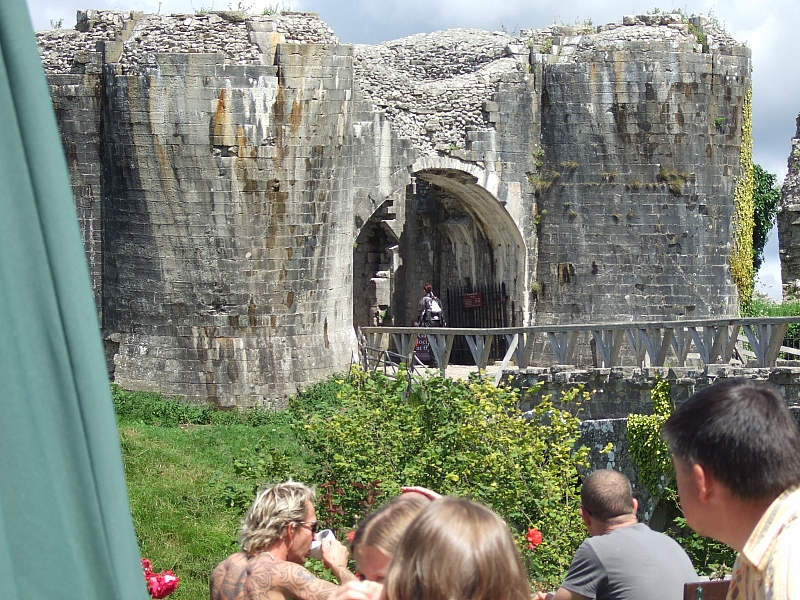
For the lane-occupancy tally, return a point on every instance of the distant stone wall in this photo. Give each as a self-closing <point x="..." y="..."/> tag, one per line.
<point x="620" y="391"/>
<point x="789" y="223"/>
<point x="616" y="393"/>
<point x="250" y="190"/>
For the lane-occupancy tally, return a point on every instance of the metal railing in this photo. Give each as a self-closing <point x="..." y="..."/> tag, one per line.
<point x="650" y="342"/>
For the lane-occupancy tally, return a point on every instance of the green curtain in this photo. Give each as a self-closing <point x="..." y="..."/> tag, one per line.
<point x="65" y="524"/>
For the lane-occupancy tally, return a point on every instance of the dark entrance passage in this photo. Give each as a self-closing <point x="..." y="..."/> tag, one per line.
<point x="478" y="306"/>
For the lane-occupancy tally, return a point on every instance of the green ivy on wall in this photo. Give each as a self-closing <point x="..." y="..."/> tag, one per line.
<point x="742" y="252"/>
<point x="647" y="449"/>
<point x="656" y="473"/>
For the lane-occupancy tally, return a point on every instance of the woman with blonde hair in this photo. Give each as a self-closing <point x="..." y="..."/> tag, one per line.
<point x="453" y="550"/>
<point x="457" y="550"/>
<point x="379" y="535"/>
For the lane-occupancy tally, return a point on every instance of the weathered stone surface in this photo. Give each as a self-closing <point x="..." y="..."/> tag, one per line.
<point x="620" y="391"/>
<point x="616" y="393"/>
<point x="249" y="190"/>
<point x="789" y="223"/>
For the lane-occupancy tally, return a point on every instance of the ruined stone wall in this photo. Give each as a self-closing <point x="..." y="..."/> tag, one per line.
<point x="228" y="191"/>
<point x="641" y="135"/>
<point x="250" y="190"/>
<point x="77" y="100"/>
<point x="228" y="225"/>
<point x="788" y="222"/>
<point x="616" y="393"/>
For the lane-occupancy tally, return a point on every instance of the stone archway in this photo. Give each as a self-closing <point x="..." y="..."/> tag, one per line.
<point x="460" y="222"/>
<point x="375" y="263"/>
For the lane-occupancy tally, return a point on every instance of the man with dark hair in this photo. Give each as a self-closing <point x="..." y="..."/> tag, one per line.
<point x="736" y="452"/>
<point x="624" y="559"/>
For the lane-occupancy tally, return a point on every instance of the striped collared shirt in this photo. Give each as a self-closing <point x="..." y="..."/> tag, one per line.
<point x="768" y="567"/>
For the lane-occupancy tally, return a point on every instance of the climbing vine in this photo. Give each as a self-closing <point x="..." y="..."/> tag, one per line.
<point x="647" y="449"/>
<point x="652" y="457"/>
<point x="742" y="253"/>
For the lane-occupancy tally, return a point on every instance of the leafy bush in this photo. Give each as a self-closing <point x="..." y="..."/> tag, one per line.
<point x="647" y="449"/>
<point x="372" y="434"/>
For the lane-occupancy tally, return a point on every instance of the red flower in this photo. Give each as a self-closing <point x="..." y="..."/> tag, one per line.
<point x="351" y="536"/>
<point x="534" y="538"/>
<point x="159" y="585"/>
<point x="162" y="585"/>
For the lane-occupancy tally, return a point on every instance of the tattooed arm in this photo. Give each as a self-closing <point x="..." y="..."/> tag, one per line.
<point x="287" y="578"/>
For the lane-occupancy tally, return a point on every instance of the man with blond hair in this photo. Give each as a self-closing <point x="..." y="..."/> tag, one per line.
<point x="623" y="559"/>
<point x="275" y="538"/>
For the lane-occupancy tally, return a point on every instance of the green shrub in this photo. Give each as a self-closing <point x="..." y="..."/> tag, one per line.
<point x="372" y="434"/>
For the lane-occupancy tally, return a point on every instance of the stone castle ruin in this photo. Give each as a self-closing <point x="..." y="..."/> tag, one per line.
<point x="789" y="223"/>
<point x="250" y="190"/>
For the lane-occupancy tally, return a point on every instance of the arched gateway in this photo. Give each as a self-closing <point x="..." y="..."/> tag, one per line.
<point x="456" y="234"/>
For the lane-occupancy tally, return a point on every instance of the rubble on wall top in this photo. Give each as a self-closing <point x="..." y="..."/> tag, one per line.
<point x="633" y="28"/>
<point x="144" y="35"/>
<point x="434" y="87"/>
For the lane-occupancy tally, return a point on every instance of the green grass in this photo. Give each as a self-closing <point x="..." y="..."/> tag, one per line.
<point x="180" y="476"/>
<point x="764" y="307"/>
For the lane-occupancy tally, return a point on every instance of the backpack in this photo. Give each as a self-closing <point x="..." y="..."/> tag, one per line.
<point x="433" y="311"/>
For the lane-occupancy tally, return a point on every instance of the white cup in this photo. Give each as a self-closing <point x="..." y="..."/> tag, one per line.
<point x="316" y="545"/>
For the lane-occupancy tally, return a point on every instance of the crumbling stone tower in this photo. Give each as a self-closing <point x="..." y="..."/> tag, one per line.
<point x="788" y="231"/>
<point x="249" y="189"/>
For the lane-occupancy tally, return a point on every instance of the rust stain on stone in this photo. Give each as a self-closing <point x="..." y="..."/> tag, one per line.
<point x="241" y="142"/>
<point x="296" y="116"/>
<point x="221" y="127"/>
<point x="289" y="299"/>
<point x="289" y="253"/>
<point x="277" y="211"/>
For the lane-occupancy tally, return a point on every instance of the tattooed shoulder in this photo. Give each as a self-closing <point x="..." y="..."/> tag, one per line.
<point x="228" y="579"/>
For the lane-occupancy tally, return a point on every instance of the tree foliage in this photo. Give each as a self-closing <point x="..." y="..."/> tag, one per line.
<point x="766" y="195"/>
<point x="461" y="439"/>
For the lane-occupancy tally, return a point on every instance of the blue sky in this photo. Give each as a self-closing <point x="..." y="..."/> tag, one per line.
<point x="769" y="28"/>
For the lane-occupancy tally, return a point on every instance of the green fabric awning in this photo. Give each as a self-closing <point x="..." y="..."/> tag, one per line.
<point x="65" y="524"/>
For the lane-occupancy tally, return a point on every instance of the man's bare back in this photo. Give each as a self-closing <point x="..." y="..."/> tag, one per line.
<point x="262" y="577"/>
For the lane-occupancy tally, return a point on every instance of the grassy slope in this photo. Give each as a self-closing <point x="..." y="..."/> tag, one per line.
<point x="176" y="477"/>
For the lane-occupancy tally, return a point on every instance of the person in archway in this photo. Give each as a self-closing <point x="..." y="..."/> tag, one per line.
<point x="431" y="313"/>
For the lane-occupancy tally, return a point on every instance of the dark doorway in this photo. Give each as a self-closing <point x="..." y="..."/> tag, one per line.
<point x="485" y="306"/>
